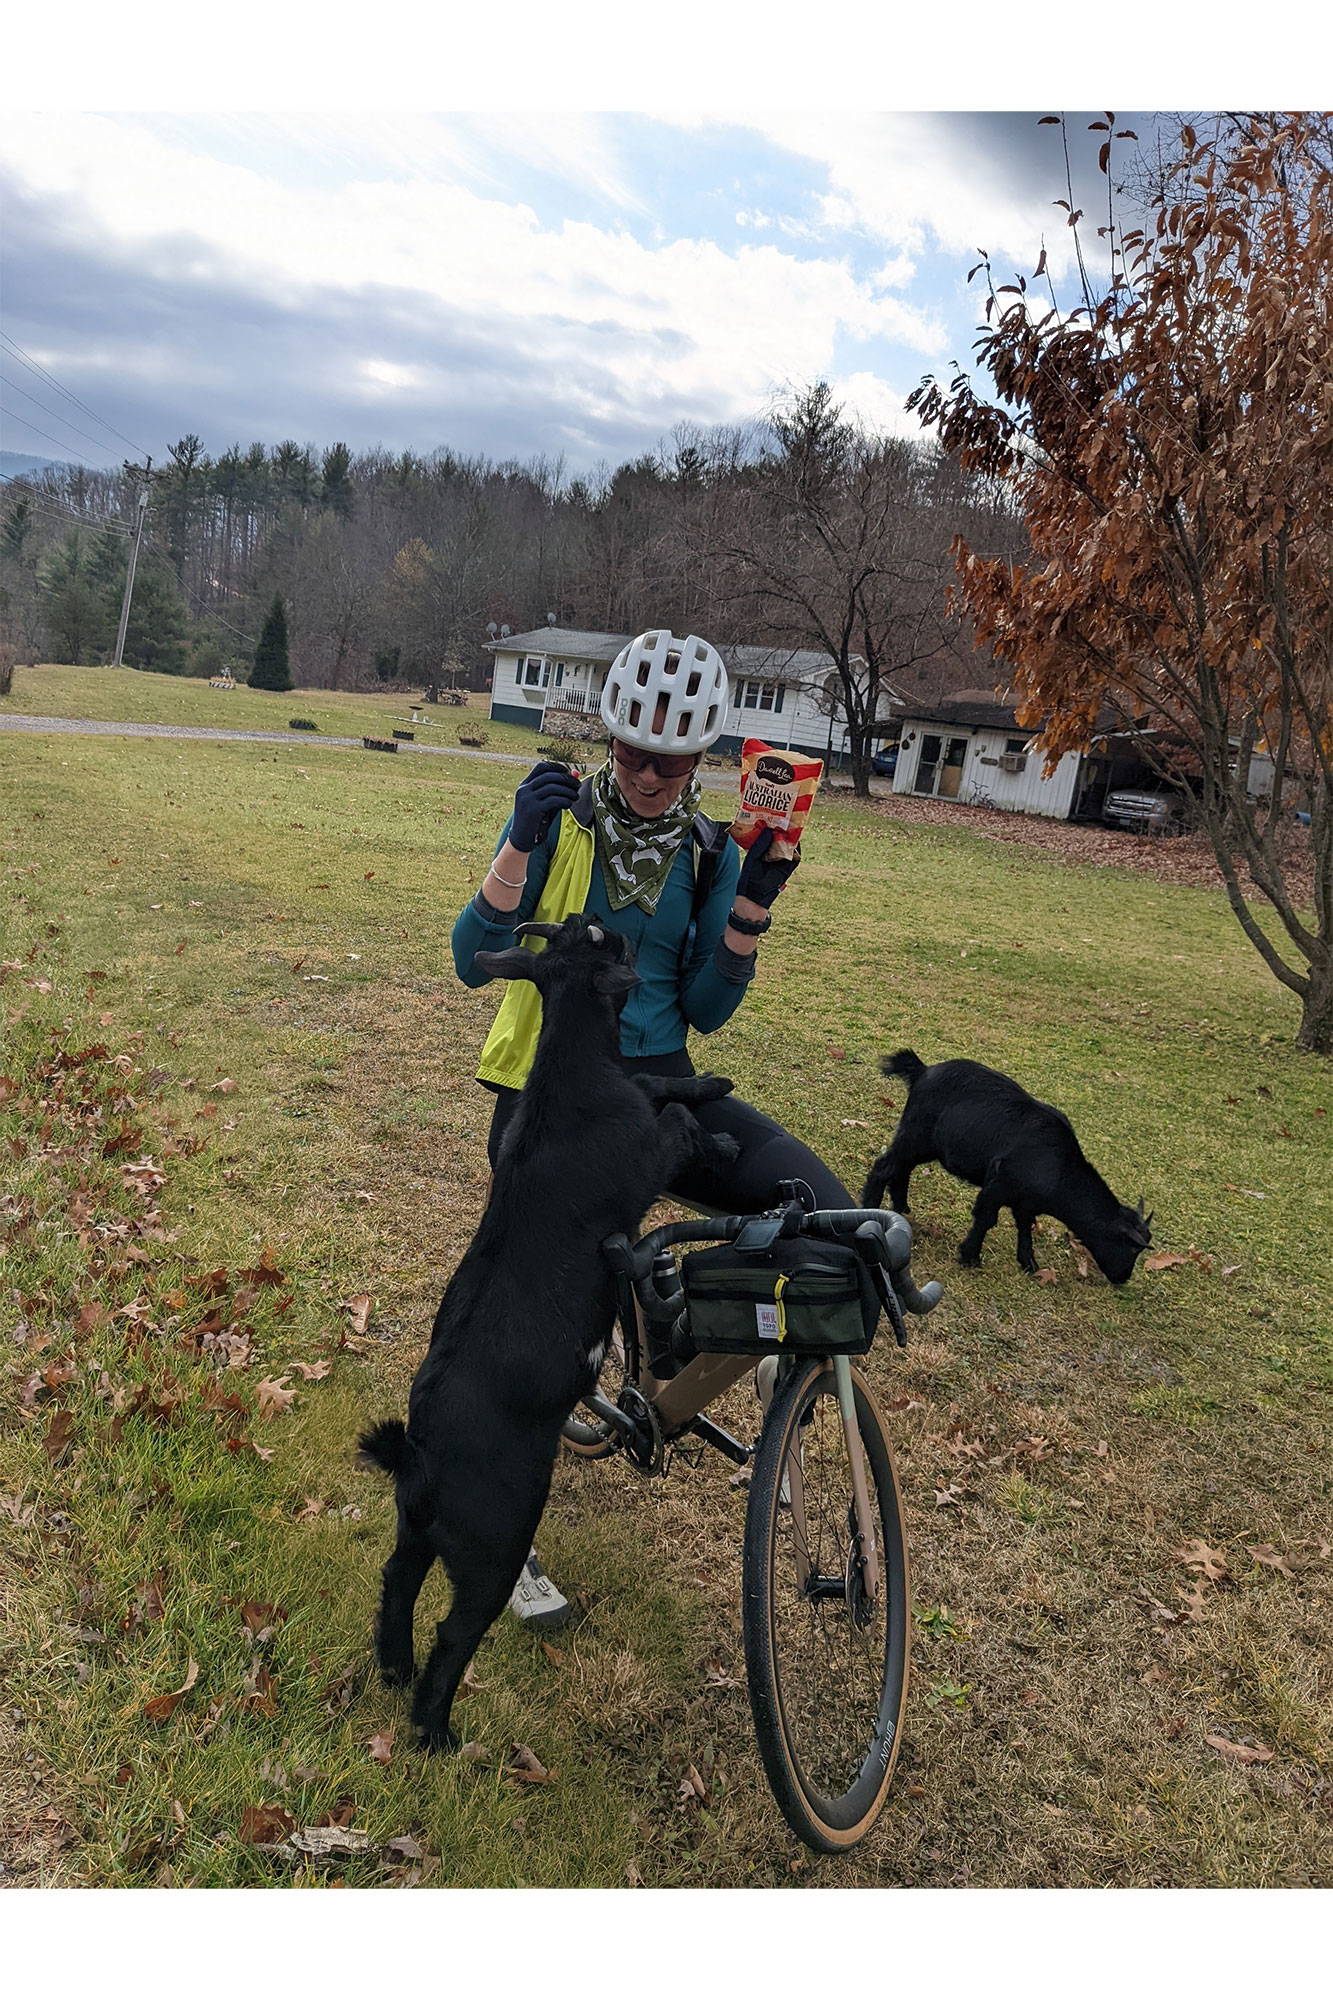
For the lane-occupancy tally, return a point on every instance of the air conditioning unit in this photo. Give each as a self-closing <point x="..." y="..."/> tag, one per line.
<point x="1014" y="762"/>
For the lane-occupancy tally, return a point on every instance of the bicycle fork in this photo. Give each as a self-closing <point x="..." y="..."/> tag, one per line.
<point x="866" y="1546"/>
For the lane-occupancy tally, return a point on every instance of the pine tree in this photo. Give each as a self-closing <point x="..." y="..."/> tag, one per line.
<point x="270" y="669"/>
<point x="72" y="605"/>
<point x="156" y="636"/>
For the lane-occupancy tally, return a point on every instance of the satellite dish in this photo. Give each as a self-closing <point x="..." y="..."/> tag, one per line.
<point x="550" y="617"/>
<point x="491" y="628"/>
<point x="504" y="631"/>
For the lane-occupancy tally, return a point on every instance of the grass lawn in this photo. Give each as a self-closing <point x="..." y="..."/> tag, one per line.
<point x="237" y="1100"/>
<point x="124" y="694"/>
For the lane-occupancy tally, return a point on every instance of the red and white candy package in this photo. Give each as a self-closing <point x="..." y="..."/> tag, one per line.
<point x="777" y="789"/>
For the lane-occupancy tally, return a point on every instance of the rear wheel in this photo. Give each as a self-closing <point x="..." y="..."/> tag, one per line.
<point x="826" y="1651"/>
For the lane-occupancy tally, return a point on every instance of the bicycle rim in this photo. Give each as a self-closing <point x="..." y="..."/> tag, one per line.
<point x="827" y="1664"/>
<point x="581" y="1432"/>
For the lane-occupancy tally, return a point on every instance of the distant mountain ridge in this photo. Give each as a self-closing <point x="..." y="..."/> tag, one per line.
<point x="20" y="465"/>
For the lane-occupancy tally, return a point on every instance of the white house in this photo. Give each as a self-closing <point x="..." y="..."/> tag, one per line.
<point x="778" y="694"/>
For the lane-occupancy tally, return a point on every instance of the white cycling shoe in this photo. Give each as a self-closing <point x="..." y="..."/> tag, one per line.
<point x="535" y="1601"/>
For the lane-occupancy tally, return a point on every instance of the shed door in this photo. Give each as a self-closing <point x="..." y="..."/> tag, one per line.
<point x="927" y="764"/>
<point x="951" y="770"/>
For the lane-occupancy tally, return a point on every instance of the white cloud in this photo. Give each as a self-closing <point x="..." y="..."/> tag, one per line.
<point x="679" y="326"/>
<point x="876" y="404"/>
<point x="917" y="182"/>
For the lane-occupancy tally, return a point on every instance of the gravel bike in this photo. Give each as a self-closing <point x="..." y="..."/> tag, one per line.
<point x="796" y="1292"/>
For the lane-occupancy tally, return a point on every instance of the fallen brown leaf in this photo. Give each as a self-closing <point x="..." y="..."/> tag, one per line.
<point x="273" y="1396"/>
<point x="380" y="1746"/>
<point x="357" y="1309"/>
<point x="1211" y="1563"/>
<point x="330" y="1843"/>
<point x="163" y="1706"/>
<point x="59" y="1435"/>
<point x="1240" y="1753"/>
<point x="265" y="1825"/>
<point x="527" y="1765"/>
<point x="1265" y="1553"/>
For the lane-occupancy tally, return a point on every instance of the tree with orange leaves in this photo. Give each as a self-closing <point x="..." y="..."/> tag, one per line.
<point x="1169" y="444"/>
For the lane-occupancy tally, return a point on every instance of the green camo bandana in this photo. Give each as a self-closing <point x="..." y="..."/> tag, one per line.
<point x="636" y="854"/>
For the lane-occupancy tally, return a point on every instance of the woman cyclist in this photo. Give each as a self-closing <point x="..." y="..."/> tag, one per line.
<point x="630" y="847"/>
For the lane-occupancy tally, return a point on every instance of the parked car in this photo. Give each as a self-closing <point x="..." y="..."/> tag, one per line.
<point x="1146" y="812"/>
<point x="885" y="762"/>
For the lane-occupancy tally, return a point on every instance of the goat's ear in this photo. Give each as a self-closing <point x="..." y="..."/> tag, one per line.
<point x="515" y="963"/>
<point x="615" y="980"/>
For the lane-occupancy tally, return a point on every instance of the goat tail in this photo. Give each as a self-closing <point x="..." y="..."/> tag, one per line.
<point x="904" y="1063"/>
<point x="386" y="1446"/>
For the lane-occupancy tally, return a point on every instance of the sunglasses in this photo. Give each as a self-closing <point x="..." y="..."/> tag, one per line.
<point x="650" y="760"/>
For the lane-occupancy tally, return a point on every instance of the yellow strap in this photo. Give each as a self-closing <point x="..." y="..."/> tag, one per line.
<point x="778" y="1290"/>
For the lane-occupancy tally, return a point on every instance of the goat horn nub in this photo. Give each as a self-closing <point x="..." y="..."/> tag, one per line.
<point x="537" y="930"/>
<point x="1142" y="1206"/>
<point x="596" y="935"/>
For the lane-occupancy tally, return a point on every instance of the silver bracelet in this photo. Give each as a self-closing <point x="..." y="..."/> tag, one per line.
<point x="493" y="870"/>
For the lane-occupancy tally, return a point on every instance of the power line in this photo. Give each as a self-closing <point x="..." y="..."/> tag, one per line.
<point x="37" y="368"/>
<point x="15" y="418"/>
<point x="60" y="419"/>
<point x="46" y="503"/>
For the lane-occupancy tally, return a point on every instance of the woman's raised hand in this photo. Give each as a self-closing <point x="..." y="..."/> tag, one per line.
<point x="763" y="880"/>
<point x="547" y="789"/>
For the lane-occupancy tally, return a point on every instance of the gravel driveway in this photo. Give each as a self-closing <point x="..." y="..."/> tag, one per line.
<point x="56" y="725"/>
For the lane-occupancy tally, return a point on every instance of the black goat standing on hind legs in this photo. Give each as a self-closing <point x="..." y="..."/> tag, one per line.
<point x="523" y="1325"/>
<point x="1023" y="1155"/>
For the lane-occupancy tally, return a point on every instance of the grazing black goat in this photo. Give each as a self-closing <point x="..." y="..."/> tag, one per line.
<point x="1023" y="1155"/>
<point x="523" y="1326"/>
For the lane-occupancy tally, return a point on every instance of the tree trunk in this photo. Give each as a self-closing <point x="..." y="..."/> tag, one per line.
<point x="1316" y="1029"/>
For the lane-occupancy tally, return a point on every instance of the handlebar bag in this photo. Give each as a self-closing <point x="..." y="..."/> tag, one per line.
<point x="800" y="1296"/>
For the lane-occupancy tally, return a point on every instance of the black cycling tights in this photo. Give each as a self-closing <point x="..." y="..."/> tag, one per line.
<point x="768" y="1154"/>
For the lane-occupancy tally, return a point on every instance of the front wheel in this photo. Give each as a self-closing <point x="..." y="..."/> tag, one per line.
<point x="826" y="1650"/>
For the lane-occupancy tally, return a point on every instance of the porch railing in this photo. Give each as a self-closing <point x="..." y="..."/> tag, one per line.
<point x="573" y="701"/>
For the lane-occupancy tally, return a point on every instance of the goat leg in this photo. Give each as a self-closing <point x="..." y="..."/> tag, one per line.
<point x="688" y="1090"/>
<point x="483" y="1542"/>
<point x="985" y="1215"/>
<point x="683" y="1143"/>
<point x="404" y="1574"/>
<point x="893" y="1169"/>
<point x="1023" y="1221"/>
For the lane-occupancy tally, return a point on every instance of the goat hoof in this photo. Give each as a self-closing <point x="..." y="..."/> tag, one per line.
<point x="970" y="1258"/>
<point x="397" y="1674"/>
<point x="437" y="1741"/>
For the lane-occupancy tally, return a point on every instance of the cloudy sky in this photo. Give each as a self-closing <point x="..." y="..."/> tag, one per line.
<point x="510" y="283"/>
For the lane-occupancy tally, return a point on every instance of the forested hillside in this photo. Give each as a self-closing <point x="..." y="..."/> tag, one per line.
<point x="800" y="529"/>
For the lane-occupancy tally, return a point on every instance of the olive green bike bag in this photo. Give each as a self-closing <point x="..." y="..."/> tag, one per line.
<point x="798" y="1296"/>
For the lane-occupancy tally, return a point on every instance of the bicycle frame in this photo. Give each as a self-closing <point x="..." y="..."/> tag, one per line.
<point x="674" y="1405"/>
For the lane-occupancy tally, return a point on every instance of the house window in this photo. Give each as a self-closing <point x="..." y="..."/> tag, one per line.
<point x="536" y="672"/>
<point x="762" y="695"/>
<point x="1014" y="746"/>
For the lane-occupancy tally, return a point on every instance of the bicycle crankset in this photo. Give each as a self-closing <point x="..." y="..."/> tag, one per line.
<point x="645" y="1448"/>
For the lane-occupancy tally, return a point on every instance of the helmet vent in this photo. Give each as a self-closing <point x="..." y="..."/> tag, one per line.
<point x="635" y="711"/>
<point x="693" y="685"/>
<point x="642" y="675"/>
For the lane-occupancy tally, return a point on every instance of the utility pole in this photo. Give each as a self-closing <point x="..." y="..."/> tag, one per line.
<point x="134" y="560"/>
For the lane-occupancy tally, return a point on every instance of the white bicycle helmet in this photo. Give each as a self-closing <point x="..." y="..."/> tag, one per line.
<point x="688" y="672"/>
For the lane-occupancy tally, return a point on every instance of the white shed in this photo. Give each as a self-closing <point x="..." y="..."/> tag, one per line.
<point x="971" y="749"/>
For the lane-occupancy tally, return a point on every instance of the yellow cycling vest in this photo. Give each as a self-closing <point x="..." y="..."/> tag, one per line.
<point x="509" y="1049"/>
